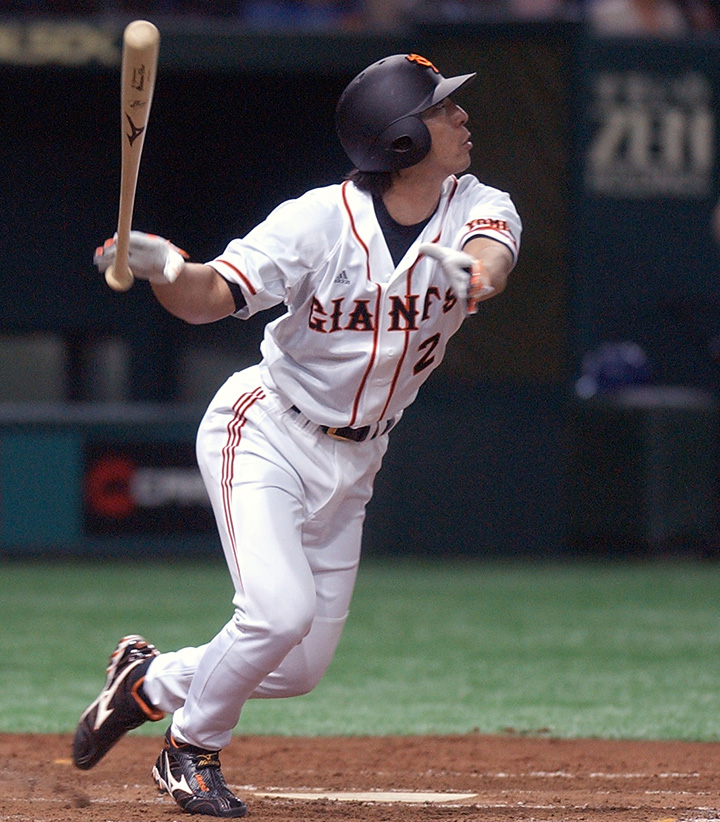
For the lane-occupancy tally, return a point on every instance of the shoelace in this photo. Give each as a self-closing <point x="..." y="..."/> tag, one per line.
<point x="140" y="651"/>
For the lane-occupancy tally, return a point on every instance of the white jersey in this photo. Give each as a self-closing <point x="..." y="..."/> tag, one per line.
<point x="360" y="334"/>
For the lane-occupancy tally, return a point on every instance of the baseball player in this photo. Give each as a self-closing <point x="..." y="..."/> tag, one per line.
<point x="376" y="273"/>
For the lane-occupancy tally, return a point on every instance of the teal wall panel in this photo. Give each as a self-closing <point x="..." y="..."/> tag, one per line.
<point x="40" y="487"/>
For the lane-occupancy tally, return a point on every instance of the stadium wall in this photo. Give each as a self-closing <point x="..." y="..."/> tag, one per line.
<point x="482" y="464"/>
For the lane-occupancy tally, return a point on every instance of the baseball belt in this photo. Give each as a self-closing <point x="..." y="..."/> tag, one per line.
<point x="355" y="434"/>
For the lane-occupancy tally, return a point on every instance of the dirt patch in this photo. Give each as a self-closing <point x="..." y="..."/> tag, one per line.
<point x="380" y="779"/>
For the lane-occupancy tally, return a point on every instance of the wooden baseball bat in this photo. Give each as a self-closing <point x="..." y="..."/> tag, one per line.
<point x="141" y="45"/>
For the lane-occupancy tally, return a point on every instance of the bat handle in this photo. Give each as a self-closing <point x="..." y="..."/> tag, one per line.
<point x="119" y="281"/>
<point x="119" y="276"/>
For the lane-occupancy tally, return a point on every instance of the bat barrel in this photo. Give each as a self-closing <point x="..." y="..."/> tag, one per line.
<point x="141" y="34"/>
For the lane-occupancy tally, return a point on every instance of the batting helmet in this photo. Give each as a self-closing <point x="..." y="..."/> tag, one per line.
<point x="377" y="116"/>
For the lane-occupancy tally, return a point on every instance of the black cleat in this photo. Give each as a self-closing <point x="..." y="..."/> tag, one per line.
<point x="193" y="778"/>
<point x="121" y="705"/>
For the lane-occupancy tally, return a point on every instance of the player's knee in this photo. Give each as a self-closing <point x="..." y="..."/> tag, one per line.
<point x="282" y="627"/>
<point x="290" y="632"/>
<point x="294" y="619"/>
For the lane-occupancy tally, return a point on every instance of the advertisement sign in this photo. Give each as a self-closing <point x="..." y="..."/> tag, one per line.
<point x="646" y="263"/>
<point x="652" y="133"/>
<point x="144" y="488"/>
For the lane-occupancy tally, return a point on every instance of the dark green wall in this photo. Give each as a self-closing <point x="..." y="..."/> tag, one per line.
<point x="239" y="124"/>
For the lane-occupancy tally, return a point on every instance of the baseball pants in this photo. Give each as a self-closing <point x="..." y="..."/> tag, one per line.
<point x="289" y="502"/>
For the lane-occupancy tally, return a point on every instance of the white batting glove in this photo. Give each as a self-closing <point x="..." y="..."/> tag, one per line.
<point x="150" y="257"/>
<point x="466" y="274"/>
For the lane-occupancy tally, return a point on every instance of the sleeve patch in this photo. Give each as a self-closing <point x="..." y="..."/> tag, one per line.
<point x="487" y="225"/>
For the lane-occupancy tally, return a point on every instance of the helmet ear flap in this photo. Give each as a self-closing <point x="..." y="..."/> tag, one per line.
<point x="404" y="143"/>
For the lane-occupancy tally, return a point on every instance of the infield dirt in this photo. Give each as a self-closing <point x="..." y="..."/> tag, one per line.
<point x="500" y="778"/>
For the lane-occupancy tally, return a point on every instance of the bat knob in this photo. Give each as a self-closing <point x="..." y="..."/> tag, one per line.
<point x="119" y="280"/>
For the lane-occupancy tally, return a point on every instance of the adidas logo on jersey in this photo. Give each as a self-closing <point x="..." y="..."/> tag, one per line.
<point x="342" y="278"/>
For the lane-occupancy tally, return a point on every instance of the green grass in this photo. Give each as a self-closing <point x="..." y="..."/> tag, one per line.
<point x="605" y="650"/>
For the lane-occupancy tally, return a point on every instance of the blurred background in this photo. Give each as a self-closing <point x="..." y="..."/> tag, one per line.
<point x="574" y="416"/>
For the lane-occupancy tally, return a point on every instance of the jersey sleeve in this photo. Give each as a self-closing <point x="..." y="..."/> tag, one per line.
<point x="275" y="257"/>
<point x="491" y="213"/>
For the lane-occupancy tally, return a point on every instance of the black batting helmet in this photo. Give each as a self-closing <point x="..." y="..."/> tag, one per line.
<point x="377" y="116"/>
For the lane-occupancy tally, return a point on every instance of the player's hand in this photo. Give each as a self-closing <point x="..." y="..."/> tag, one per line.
<point x="466" y="274"/>
<point x="150" y="257"/>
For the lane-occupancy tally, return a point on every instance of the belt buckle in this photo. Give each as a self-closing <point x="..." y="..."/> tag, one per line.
<point x="348" y="434"/>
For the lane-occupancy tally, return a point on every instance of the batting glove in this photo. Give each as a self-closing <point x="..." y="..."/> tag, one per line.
<point x="150" y="257"/>
<point x="465" y="273"/>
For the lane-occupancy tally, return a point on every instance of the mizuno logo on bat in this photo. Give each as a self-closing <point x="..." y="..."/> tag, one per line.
<point x="135" y="132"/>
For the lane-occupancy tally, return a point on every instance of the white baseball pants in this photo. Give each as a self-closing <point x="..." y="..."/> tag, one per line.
<point x="289" y="502"/>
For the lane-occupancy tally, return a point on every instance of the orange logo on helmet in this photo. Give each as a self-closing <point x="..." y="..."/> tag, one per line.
<point x="421" y="61"/>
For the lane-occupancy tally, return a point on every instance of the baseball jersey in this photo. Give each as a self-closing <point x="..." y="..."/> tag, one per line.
<point x="360" y="334"/>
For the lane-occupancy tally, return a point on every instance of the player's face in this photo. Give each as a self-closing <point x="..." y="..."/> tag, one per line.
<point x="451" y="144"/>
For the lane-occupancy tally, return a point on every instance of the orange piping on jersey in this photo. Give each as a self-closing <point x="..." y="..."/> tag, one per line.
<point x="227" y="468"/>
<point x="401" y="360"/>
<point x="376" y="329"/>
<point x="398" y="368"/>
<point x="373" y="356"/>
<point x="353" y="228"/>
<point x="245" y="280"/>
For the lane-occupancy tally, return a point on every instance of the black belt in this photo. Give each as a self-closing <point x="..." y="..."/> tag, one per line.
<point x="354" y="434"/>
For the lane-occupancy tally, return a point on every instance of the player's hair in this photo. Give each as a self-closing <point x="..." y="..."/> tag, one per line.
<point x="375" y="183"/>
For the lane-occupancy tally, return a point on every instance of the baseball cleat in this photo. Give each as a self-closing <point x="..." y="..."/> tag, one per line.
<point x="121" y="705"/>
<point x="193" y="778"/>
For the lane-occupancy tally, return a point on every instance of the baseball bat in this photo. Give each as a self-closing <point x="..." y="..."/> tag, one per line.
<point x="141" y="45"/>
